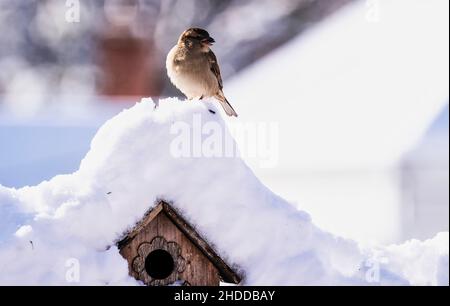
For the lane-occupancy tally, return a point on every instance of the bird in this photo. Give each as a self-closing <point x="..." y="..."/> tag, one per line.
<point x="193" y="68"/>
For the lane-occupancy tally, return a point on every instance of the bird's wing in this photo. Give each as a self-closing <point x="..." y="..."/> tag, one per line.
<point x="215" y="67"/>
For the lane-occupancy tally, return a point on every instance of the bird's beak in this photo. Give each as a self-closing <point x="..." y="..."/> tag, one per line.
<point x="208" y="41"/>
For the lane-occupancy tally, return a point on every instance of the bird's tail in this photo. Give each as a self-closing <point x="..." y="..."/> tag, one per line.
<point x="229" y="110"/>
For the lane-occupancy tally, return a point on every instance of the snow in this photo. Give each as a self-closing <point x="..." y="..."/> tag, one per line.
<point x="63" y="231"/>
<point x="426" y="262"/>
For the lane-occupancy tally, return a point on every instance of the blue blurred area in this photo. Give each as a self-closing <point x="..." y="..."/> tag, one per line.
<point x="441" y="124"/>
<point x="32" y="154"/>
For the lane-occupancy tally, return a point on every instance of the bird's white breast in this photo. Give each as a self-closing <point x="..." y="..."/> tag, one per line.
<point x="192" y="75"/>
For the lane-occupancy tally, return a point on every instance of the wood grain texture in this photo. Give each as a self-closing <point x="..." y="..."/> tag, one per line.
<point x="196" y="263"/>
<point x="226" y="272"/>
<point x="192" y="267"/>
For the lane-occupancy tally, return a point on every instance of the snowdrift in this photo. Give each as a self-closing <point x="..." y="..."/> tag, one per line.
<point x="72" y="222"/>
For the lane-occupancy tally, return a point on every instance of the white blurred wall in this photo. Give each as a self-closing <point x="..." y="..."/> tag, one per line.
<point x="425" y="183"/>
<point x="351" y="98"/>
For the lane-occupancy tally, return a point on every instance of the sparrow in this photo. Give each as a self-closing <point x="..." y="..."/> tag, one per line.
<point x="193" y="68"/>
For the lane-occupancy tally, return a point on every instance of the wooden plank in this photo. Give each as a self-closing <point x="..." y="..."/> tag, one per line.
<point x="129" y="249"/>
<point x="197" y="269"/>
<point x="227" y="273"/>
<point x="148" y="217"/>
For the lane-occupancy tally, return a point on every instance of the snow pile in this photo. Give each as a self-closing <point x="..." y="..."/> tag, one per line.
<point x="64" y="231"/>
<point x="422" y="263"/>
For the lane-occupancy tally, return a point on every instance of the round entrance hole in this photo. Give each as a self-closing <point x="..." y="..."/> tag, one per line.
<point x="159" y="264"/>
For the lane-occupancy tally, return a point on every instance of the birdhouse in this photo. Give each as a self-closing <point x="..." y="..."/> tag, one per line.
<point x="164" y="249"/>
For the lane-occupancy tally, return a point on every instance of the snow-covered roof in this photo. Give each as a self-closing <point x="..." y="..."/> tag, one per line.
<point x="63" y="230"/>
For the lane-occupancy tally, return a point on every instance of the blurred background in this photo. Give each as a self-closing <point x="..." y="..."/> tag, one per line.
<point x="359" y="89"/>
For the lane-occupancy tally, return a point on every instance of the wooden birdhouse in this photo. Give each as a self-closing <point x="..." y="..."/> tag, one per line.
<point x="164" y="249"/>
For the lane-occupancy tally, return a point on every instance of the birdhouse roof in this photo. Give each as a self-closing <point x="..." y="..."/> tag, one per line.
<point x="226" y="272"/>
